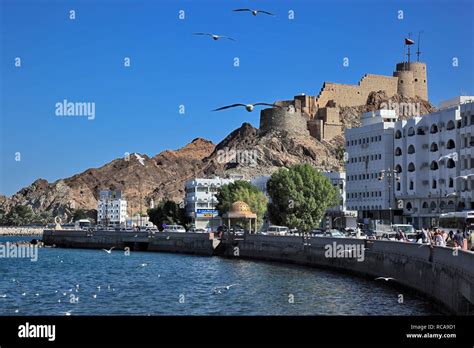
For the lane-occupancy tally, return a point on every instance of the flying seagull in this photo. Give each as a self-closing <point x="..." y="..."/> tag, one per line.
<point x="248" y="107"/>
<point x="385" y="278"/>
<point x="108" y="251"/>
<point x="215" y="36"/>
<point x="254" y="12"/>
<point x="140" y="159"/>
<point x="464" y="177"/>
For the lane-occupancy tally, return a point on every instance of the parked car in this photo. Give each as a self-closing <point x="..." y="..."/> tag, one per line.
<point x="239" y="232"/>
<point x="197" y="230"/>
<point x="277" y="230"/>
<point x="174" y="228"/>
<point x="353" y="234"/>
<point x="334" y="234"/>
<point x="412" y="237"/>
<point x="317" y="232"/>
<point x="389" y="236"/>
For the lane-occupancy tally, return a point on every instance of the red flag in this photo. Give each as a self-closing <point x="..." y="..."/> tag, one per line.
<point x="409" y="41"/>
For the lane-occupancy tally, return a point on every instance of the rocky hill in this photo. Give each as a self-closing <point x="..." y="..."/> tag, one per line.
<point x="243" y="151"/>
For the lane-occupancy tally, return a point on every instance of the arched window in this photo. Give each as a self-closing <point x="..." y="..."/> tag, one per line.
<point x="434" y="184"/>
<point x="409" y="206"/>
<point x="451" y="182"/>
<point x="398" y="168"/>
<point x="398" y="151"/>
<point x="450" y="125"/>
<point x="450" y="204"/>
<point x="451" y="163"/>
<point x="433" y="205"/>
<point x="412" y="185"/>
<point x="425" y="205"/>
<point x="411" y="131"/>
<point x="411" y="167"/>
<point x="434" y="129"/>
<point x="411" y="149"/>
<point x="434" y="165"/>
<point x="434" y="147"/>
<point x="450" y="144"/>
<point x="442" y="205"/>
<point x="398" y="134"/>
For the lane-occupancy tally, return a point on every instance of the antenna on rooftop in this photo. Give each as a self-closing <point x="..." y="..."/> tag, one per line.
<point x="418" y="52"/>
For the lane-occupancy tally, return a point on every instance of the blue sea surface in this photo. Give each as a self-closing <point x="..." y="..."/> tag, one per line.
<point x="92" y="282"/>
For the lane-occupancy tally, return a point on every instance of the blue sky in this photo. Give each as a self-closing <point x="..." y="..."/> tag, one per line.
<point x="137" y="108"/>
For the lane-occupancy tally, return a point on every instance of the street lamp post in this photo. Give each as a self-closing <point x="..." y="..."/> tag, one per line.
<point x="390" y="174"/>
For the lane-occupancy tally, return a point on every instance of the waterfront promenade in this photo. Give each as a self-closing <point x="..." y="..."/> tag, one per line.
<point x="21" y="231"/>
<point x="444" y="275"/>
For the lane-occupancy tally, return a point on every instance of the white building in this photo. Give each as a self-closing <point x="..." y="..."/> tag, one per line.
<point x="466" y="157"/>
<point x="426" y="156"/>
<point x="201" y="202"/>
<point x="339" y="216"/>
<point x="369" y="152"/>
<point x="111" y="208"/>
<point x="434" y="157"/>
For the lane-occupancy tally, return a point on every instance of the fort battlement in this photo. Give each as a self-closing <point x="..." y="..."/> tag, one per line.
<point x="320" y="113"/>
<point x="283" y="119"/>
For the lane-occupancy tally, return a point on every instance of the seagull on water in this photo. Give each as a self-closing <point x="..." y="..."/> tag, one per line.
<point x="140" y="159"/>
<point x="108" y="251"/>
<point x="248" y="107"/>
<point x="254" y="12"/>
<point x="385" y="278"/>
<point x="68" y="313"/>
<point x="143" y="264"/>
<point x="3" y="295"/>
<point x="94" y="296"/>
<point x="218" y="289"/>
<point x="215" y="36"/>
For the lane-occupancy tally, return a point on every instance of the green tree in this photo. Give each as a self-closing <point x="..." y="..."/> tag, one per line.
<point x="167" y="212"/>
<point x="2" y="217"/>
<point x="42" y="218"/>
<point x="242" y="191"/>
<point x="340" y="150"/>
<point x="300" y="196"/>
<point x="79" y="214"/>
<point x="20" y="215"/>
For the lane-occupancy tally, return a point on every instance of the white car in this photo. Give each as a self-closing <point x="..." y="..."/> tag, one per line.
<point x="174" y="228"/>
<point x="277" y="230"/>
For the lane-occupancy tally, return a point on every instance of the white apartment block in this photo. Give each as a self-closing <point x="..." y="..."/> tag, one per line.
<point x="430" y="163"/>
<point x="369" y="152"/>
<point x="339" y="216"/>
<point x="466" y="157"/>
<point x="111" y="208"/>
<point x="201" y="202"/>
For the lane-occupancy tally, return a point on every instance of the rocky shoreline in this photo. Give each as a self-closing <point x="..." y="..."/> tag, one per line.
<point x="20" y="231"/>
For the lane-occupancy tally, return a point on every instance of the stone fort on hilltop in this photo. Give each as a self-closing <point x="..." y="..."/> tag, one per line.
<point x="318" y="116"/>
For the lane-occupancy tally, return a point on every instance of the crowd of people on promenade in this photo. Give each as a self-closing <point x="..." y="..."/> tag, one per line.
<point x="438" y="237"/>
